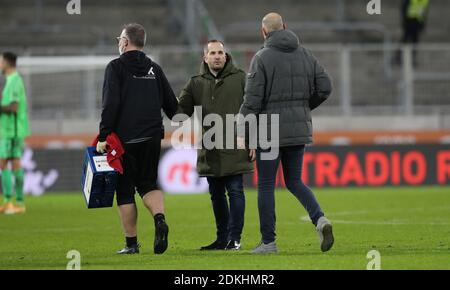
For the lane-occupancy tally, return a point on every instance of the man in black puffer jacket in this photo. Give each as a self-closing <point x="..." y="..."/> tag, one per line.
<point x="286" y="80"/>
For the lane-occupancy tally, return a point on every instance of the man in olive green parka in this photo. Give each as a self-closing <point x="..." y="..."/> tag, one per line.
<point x="219" y="89"/>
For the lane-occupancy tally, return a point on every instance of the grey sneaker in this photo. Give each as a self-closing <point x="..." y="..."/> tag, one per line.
<point x="265" y="248"/>
<point x="325" y="231"/>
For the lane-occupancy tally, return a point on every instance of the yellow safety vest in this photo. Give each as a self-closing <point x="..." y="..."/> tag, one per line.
<point x="417" y="9"/>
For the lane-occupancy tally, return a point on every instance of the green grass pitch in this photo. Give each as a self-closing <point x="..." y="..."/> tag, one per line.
<point x="410" y="227"/>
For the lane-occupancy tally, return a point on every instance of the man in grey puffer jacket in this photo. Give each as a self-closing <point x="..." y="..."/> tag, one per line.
<point x="287" y="80"/>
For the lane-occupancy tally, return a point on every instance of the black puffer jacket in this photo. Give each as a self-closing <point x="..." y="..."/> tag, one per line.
<point x="286" y="79"/>
<point x="135" y="90"/>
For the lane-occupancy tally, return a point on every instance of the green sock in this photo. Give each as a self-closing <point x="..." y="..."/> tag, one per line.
<point x="18" y="175"/>
<point x="7" y="185"/>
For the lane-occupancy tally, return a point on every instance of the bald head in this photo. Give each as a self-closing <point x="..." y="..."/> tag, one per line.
<point x="272" y="22"/>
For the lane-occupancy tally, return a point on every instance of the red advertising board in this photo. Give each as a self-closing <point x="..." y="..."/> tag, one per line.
<point x="375" y="165"/>
<point x="323" y="166"/>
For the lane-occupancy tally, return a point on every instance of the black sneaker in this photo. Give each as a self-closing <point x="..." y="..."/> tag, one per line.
<point x="161" y="233"/>
<point x="216" y="245"/>
<point x="129" y="250"/>
<point x="233" y="245"/>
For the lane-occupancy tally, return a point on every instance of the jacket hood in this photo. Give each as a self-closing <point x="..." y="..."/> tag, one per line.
<point x="284" y="40"/>
<point x="228" y="69"/>
<point x="136" y="62"/>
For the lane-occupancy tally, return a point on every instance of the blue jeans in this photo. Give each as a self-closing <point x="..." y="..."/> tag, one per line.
<point x="229" y="220"/>
<point x="292" y="160"/>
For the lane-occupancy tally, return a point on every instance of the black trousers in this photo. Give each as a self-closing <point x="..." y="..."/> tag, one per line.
<point x="291" y="158"/>
<point x="229" y="219"/>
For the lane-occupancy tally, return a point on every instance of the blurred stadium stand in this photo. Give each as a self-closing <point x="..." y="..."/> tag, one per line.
<point x="63" y="56"/>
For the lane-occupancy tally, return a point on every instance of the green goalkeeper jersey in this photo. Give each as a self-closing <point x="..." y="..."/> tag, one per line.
<point x="14" y="125"/>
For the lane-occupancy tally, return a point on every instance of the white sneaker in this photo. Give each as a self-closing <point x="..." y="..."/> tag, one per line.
<point x="233" y="245"/>
<point x="325" y="231"/>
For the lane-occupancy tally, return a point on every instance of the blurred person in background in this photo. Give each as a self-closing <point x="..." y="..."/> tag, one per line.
<point x="413" y="16"/>
<point x="135" y="90"/>
<point x="219" y="89"/>
<point x="287" y="80"/>
<point x="13" y="130"/>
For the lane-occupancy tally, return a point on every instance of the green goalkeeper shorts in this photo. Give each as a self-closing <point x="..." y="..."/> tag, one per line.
<point x="11" y="148"/>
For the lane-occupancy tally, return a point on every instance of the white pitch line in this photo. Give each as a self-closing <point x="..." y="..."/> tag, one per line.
<point x="394" y="210"/>
<point x="390" y="223"/>
<point x="347" y="213"/>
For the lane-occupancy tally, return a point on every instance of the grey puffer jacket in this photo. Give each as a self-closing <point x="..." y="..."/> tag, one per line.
<point x="285" y="79"/>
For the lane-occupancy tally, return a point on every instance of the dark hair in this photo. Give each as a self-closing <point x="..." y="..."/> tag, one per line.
<point x="135" y="34"/>
<point x="205" y="49"/>
<point x="10" y="57"/>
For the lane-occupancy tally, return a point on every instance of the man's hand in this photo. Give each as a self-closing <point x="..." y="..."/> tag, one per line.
<point x="9" y="109"/>
<point x="240" y="143"/>
<point x="101" y="147"/>
<point x="252" y="155"/>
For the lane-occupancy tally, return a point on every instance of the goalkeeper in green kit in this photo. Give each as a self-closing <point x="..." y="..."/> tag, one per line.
<point x="13" y="130"/>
